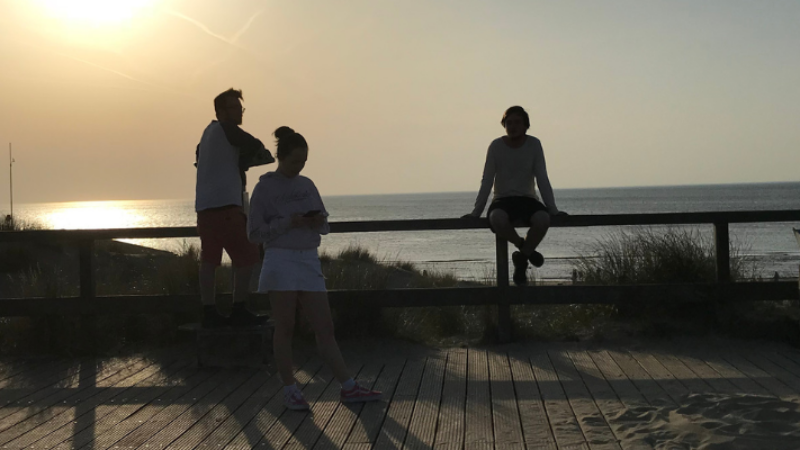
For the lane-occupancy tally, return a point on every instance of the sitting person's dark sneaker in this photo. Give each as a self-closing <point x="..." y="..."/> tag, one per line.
<point x="520" y="268"/>
<point x="536" y="259"/>
<point x="241" y="317"/>
<point x="212" y="318"/>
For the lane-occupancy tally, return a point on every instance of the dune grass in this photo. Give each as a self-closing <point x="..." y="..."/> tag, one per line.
<point x="647" y="256"/>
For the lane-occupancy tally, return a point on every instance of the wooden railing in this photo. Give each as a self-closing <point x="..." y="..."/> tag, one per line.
<point x="502" y="295"/>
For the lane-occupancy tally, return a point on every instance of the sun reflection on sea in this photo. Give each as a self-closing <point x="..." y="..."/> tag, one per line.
<point x="92" y="215"/>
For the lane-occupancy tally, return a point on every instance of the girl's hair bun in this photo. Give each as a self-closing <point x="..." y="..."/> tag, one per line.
<point x="283" y="132"/>
<point x="288" y="140"/>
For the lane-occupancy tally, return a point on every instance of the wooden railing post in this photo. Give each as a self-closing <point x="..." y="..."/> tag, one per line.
<point x="503" y="307"/>
<point x="723" y="253"/>
<point x="88" y="292"/>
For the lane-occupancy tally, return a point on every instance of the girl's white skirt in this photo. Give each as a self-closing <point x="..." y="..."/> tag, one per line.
<point x="291" y="270"/>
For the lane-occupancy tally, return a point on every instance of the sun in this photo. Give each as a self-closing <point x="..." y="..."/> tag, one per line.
<point x="95" y="12"/>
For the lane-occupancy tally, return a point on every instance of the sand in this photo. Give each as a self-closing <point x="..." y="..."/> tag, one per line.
<point x="713" y="421"/>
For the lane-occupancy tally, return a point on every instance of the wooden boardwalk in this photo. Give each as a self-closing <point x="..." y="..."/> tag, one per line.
<point x="517" y="396"/>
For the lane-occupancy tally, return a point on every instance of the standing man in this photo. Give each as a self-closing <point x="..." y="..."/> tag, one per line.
<point x="224" y="154"/>
<point x="513" y="163"/>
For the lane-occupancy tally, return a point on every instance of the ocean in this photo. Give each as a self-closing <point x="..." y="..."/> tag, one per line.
<point x="469" y="254"/>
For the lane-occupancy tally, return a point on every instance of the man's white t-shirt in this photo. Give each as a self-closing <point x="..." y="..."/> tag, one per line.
<point x="219" y="181"/>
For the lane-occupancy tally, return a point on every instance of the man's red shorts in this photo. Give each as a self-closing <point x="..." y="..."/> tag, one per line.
<point x="225" y="228"/>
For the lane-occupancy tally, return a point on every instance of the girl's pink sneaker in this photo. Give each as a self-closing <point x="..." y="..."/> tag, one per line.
<point x="295" y="401"/>
<point x="360" y="394"/>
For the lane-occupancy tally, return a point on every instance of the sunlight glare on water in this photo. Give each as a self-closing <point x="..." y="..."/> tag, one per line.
<point x="93" y="215"/>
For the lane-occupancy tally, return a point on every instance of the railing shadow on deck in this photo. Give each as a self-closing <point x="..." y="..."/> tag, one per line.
<point x="502" y="295"/>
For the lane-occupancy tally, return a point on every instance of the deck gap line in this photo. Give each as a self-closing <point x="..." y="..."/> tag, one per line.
<point x="416" y="398"/>
<point x="389" y="403"/>
<point x="542" y="398"/>
<point x="360" y="407"/>
<point x="441" y="399"/>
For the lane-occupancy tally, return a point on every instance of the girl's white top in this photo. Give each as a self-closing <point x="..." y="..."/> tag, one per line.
<point x="513" y="172"/>
<point x="275" y="199"/>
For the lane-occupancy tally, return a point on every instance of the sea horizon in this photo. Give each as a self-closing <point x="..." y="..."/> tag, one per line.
<point x="475" y="192"/>
<point x="470" y="254"/>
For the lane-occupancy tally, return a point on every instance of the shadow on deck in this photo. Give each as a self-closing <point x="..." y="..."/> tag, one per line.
<point x="735" y="394"/>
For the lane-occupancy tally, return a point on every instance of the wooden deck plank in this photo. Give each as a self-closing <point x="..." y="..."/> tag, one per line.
<point x="765" y="364"/>
<point x="505" y="413"/>
<point x="160" y="427"/>
<point x="479" y="403"/>
<point x="451" y="420"/>
<point x="289" y="421"/>
<point x="596" y="431"/>
<point x="679" y="370"/>
<point x="357" y="446"/>
<point x="698" y="362"/>
<point x="31" y="401"/>
<point x="42" y="385"/>
<point x="479" y="445"/>
<point x="365" y="430"/>
<point x="197" y="412"/>
<point x="57" y="409"/>
<point x="603" y="393"/>
<point x="786" y="363"/>
<point x="90" y="411"/>
<point x="208" y="423"/>
<point x="535" y="426"/>
<point x="509" y="446"/>
<point x="790" y="354"/>
<point x="394" y="428"/>
<point x="11" y="368"/>
<point x="671" y="385"/>
<point x="764" y="379"/>
<point x="610" y="405"/>
<point x="266" y="416"/>
<point x="312" y="426"/>
<point x="654" y="394"/>
<point x="627" y="392"/>
<point x="338" y="429"/>
<point x="422" y="429"/>
<point x="727" y="375"/>
<point x="184" y="391"/>
<point x="32" y="377"/>
<point x="234" y="423"/>
<point x="560" y="415"/>
<point x="131" y="404"/>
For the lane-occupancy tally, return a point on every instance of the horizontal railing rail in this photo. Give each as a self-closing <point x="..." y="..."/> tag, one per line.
<point x="694" y="218"/>
<point x="501" y="295"/>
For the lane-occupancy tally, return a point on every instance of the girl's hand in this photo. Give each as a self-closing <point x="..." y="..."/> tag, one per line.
<point x="298" y="221"/>
<point x="313" y="222"/>
<point x="316" y="221"/>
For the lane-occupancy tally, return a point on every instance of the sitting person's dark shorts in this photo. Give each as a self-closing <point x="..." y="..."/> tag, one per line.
<point x="519" y="209"/>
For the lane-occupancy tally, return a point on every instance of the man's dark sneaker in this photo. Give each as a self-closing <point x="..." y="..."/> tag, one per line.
<point x="536" y="259"/>
<point x="520" y="268"/>
<point x="241" y="317"/>
<point x="213" y="319"/>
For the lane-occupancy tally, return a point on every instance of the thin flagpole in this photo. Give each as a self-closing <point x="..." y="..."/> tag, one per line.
<point x="10" y="179"/>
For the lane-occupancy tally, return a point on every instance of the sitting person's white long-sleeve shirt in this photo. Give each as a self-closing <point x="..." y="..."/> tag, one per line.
<point x="275" y="199"/>
<point x="512" y="172"/>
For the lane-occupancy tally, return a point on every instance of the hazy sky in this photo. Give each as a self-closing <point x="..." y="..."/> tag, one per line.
<point x="107" y="100"/>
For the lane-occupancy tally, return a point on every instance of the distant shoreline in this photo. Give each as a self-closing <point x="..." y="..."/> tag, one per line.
<point x="394" y="194"/>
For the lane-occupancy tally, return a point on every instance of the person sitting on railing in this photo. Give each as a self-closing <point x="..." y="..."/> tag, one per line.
<point x="223" y="155"/>
<point x="513" y="163"/>
<point x="287" y="215"/>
